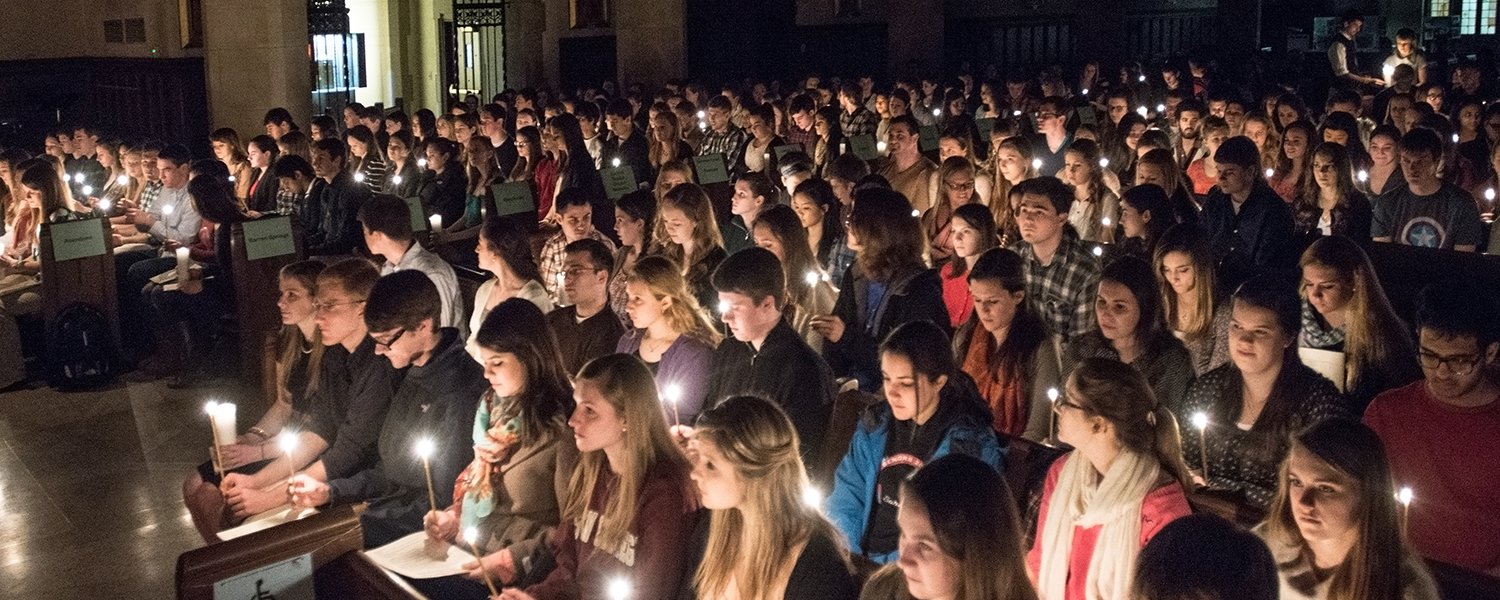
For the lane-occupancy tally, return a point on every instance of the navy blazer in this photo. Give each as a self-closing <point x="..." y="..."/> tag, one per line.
<point x="1257" y="239"/>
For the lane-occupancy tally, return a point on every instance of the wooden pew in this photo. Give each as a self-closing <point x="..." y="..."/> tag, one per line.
<point x="1457" y="583"/>
<point x="848" y="405"/>
<point x="333" y="538"/>
<point x="256" y="290"/>
<point x="89" y="281"/>
<point x="1405" y="270"/>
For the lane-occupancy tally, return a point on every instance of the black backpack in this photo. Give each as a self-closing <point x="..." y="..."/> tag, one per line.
<point x="83" y="348"/>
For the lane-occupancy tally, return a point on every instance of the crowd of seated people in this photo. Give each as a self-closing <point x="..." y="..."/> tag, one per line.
<point x="649" y="387"/>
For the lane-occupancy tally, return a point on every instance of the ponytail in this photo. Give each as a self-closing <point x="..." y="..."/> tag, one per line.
<point x="1117" y="392"/>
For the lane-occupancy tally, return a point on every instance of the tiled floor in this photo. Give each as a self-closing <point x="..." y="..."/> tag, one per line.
<point x="90" y="488"/>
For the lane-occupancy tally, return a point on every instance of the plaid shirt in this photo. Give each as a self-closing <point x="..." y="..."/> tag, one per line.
<point x="553" y="259"/>
<point x="805" y="138"/>
<point x="730" y="143"/>
<point x="288" y="203"/>
<point x="150" y="193"/>
<point x="1063" y="292"/>
<point x="862" y="122"/>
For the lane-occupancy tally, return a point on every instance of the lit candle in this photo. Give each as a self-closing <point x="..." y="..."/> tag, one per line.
<point x="1015" y="113"/>
<point x="1098" y="251"/>
<point x="1104" y="163"/>
<point x="88" y="190"/>
<point x="673" y="393"/>
<point x="78" y="178"/>
<point x="1052" y="396"/>
<point x="359" y="177"/>
<point x="1141" y="79"/>
<point x="1141" y="110"/>
<point x="1200" y="421"/>
<point x="1455" y="138"/>
<point x="812" y="497"/>
<point x="1489" y="194"/>
<point x="122" y="180"/>
<point x="425" y="448"/>
<point x="619" y="589"/>
<point x="396" y="179"/>
<point x="703" y="125"/>
<point x="288" y="443"/>
<point x="471" y="537"/>
<point x="880" y="147"/>
<point x="224" y="423"/>
<point x="422" y="163"/>
<point x="937" y="112"/>
<point x="212" y="408"/>
<point x="167" y="210"/>
<point x="104" y="205"/>
<point x="614" y="162"/>
<point x="435" y="222"/>
<point x="1362" y="175"/>
<point x="1036" y="164"/>
<point x="843" y="147"/>
<point x="1085" y="91"/>
<point x="1404" y="497"/>
<point x="1161" y="108"/>
<point x="1105" y="221"/>
<point x="702" y="115"/>
<point x="916" y="213"/>
<point x="184" y="262"/>
<point x="811" y="277"/>
<point x="723" y="307"/>
<point x="1270" y="173"/>
<point x="1388" y="71"/>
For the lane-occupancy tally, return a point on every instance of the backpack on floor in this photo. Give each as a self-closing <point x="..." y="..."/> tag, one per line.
<point x="82" y="348"/>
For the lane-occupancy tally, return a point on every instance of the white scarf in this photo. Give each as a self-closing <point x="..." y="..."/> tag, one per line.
<point x="1082" y="499"/>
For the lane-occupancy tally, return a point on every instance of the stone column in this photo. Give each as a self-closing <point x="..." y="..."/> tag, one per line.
<point x="651" y="39"/>
<point x="255" y="58"/>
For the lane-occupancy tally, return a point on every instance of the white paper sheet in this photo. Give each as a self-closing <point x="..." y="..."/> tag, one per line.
<point x="1327" y="363"/>
<point x="280" y="515"/>
<point x="408" y="557"/>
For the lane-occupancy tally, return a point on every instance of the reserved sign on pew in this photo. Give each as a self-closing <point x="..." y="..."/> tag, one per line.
<point x="514" y="197"/>
<point x="710" y="169"/>
<point x="77" y="239"/>
<point x="266" y="238"/>
<point x="291" y="579"/>
<point x="618" y="181"/>
<point x="927" y="138"/>
<point x="863" y="146"/>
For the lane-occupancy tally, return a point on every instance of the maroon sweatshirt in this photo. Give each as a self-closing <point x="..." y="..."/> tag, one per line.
<point x="651" y="559"/>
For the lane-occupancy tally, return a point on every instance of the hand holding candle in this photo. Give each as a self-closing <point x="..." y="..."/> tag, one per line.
<point x="471" y="537"/>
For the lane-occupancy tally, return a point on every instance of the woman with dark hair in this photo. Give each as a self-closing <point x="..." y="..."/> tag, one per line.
<point x="1006" y="349"/>
<point x="690" y="237"/>
<point x="889" y="285"/>
<point x="1204" y="557"/>
<point x="575" y="170"/>
<point x="504" y="251"/>
<point x="960" y="537"/>
<point x="1290" y="172"/>
<point x="1127" y="138"/>
<point x="186" y="315"/>
<point x="808" y="290"/>
<point x="1385" y="167"/>
<point x="443" y="188"/>
<point x="529" y="155"/>
<point x="263" y="152"/>
<point x="405" y="178"/>
<point x="830" y="142"/>
<point x="228" y="150"/>
<point x="1329" y="203"/>
<point x="1131" y="329"/>
<point x="635" y="213"/>
<point x="1145" y="216"/>
<point x="959" y="187"/>
<point x="1123" y="482"/>
<point x="1335" y="528"/>
<point x="423" y="125"/>
<point x="1343" y="129"/>
<point x="513" y="492"/>
<point x="1252" y="404"/>
<point x="1289" y="109"/>
<point x="365" y="157"/>
<point x="818" y="210"/>
<point x="931" y="409"/>
<point x="973" y="231"/>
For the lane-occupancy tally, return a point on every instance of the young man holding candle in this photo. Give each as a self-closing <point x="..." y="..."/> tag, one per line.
<point x="625" y="143"/>
<point x="587" y="329"/>
<point x="171" y="222"/>
<point x="435" y="403"/>
<point x="1427" y="211"/>
<point x="1440" y="432"/>
<point x="766" y="356"/>
<point x="347" y="410"/>
<point x="576" y="215"/>
<point x="386" y="222"/>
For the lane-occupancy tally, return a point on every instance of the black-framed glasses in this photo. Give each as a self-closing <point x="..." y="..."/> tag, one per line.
<point x="391" y="342"/>
<point x="1460" y="365"/>
<point x="1062" y="402"/>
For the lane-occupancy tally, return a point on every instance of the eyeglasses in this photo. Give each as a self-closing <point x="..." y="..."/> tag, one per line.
<point x="391" y="342"/>
<point x="326" y="307"/>
<point x="962" y="186"/>
<point x="1062" y="402"/>
<point x="1458" y="365"/>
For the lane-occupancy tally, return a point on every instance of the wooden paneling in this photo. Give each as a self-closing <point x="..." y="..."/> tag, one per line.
<point x="163" y="99"/>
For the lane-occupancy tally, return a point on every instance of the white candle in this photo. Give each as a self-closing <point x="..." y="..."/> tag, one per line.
<point x="435" y="222"/>
<point x="396" y="179"/>
<point x="422" y="163"/>
<point x="1388" y="71"/>
<point x="1104" y="163"/>
<point x="619" y="589"/>
<point x="471" y="537"/>
<point x="88" y="190"/>
<point x="1270" y="173"/>
<point x="425" y="449"/>
<point x="288" y="443"/>
<point x="1200" y="421"/>
<point x="812" y="497"/>
<point x="880" y="147"/>
<point x="1405" y="497"/>
<point x="184" y="261"/>
<point x="122" y="180"/>
<point x="1363" y="176"/>
<point x="673" y="393"/>
<point x="614" y="162"/>
<point x="225" y="426"/>
<point x="1036" y="164"/>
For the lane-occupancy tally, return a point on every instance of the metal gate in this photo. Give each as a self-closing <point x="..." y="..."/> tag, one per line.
<point x="334" y="53"/>
<point x="478" y="55"/>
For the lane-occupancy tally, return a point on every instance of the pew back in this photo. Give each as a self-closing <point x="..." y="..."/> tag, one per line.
<point x="258" y="252"/>
<point x="327" y="536"/>
<point x="68" y="278"/>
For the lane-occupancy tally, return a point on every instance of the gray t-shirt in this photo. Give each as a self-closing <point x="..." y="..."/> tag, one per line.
<point x="1444" y="219"/>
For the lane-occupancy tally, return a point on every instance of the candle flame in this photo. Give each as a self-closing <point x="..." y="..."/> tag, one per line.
<point x="1098" y="251"/>
<point x="619" y="589"/>
<point x="1104" y="163"/>
<point x="78" y="178"/>
<point x="880" y="146"/>
<point x="1404" y="496"/>
<point x="471" y="535"/>
<point x="673" y="392"/>
<point x="811" y="278"/>
<point x="723" y="306"/>
<point x="425" y="448"/>
<point x="1104" y="221"/>
<point x="1270" y="173"/>
<point x="615" y="162"/>
<point x="360" y="177"/>
<point x="1200" y="420"/>
<point x="937" y="112"/>
<point x="167" y="210"/>
<point x="122" y="180"/>
<point x="1489" y="194"/>
<point x="1141" y="79"/>
<point x="422" y="162"/>
<point x="1052" y="394"/>
<point x="812" y="497"/>
<point x="1141" y="110"/>
<point x="1363" y="175"/>
<point x="287" y="441"/>
<point x="104" y="204"/>
<point x="396" y="180"/>
<point x="1036" y="163"/>
<point x="88" y="189"/>
<point x="1161" y="108"/>
<point x="211" y="407"/>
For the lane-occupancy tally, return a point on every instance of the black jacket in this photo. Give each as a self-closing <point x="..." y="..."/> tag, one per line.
<point x="633" y="153"/>
<point x="340" y="232"/>
<point x="786" y="371"/>
<point x="348" y="410"/>
<point x="1257" y="239"/>
<point x="916" y="295"/>
<point x="446" y="193"/>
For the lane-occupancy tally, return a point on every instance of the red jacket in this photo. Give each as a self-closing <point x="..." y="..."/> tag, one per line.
<point x="1162" y="505"/>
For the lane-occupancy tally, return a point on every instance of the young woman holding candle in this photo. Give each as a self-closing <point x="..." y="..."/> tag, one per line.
<point x="818" y="209"/>
<point x="1005" y="348"/>
<point x="405" y="178"/>
<point x="973" y="233"/>
<point x="931" y="409"/>
<point x="528" y="154"/>
<point x="297" y="367"/>
<point x="1335" y="526"/>
<point x="1120" y="485"/>
<point x="1385" y="167"/>
<point x="1131" y="329"/>
<point x="514" y="491"/>
<point x="961" y="537"/>
<point x="630" y="507"/>
<point x="228" y="150"/>
<point x="889" y="285"/>
<point x="444" y="186"/>
<point x="634" y="215"/>
<point x="1158" y="167"/>
<point x="1259" y="397"/>
<point x="1329" y="203"/>
<point x="1195" y="313"/>
<point x="366" y="158"/>
<point x="1096" y="209"/>
<point x="482" y="173"/>
<point x="1145" y="217"/>
<point x="671" y="333"/>
<point x="1345" y="310"/>
<point x="667" y="146"/>
<point x="764" y="541"/>
<point x="690" y="237"/>
<point x="1013" y="164"/>
<point x="808" y="290"/>
<point x="504" y="252"/>
<point x="1291" y="169"/>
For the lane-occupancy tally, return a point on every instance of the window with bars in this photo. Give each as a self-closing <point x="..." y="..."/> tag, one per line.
<point x="1475" y="17"/>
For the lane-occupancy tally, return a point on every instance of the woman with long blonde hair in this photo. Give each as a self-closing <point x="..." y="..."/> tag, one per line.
<point x="1345" y="310"/>
<point x="1013" y="164"/>
<point x="1195" y="313"/>
<point x="764" y="541"/>
<point x="671" y="333"/>
<point x="1334" y="527"/>
<point x="691" y="238"/>
<point x="630" y="508"/>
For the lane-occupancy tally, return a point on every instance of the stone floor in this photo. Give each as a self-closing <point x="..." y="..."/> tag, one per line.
<point x="90" y="487"/>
